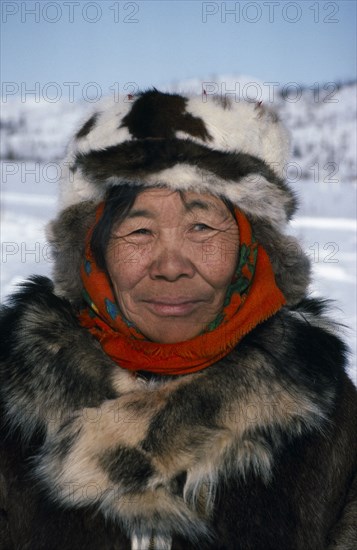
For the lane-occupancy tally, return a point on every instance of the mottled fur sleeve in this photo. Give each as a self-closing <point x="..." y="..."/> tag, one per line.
<point x="151" y="455"/>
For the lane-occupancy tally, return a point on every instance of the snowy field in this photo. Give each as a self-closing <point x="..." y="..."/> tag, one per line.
<point x="326" y="227"/>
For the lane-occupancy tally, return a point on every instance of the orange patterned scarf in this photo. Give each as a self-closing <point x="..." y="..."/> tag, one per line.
<point x="252" y="297"/>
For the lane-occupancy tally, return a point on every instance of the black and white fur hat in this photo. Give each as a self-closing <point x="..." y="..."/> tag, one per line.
<point x="235" y="149"/>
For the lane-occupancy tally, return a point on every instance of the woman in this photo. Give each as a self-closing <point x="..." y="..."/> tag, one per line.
<point x="175" y="387"/>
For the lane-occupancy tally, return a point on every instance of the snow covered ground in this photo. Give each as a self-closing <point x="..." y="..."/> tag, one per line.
<point x="326" y="226"/>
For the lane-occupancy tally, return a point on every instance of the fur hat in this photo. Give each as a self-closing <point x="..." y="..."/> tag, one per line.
<point x="204" y="143"/>
<point x="201" y="143"/>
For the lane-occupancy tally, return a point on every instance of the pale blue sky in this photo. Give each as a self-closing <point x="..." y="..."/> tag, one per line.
<point x="155" y="42"/>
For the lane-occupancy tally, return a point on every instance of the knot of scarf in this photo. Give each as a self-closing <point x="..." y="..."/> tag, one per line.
<point x="251" y="298"/>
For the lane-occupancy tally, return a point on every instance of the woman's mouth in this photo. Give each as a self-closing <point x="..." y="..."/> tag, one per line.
<point x="171" y="307"/>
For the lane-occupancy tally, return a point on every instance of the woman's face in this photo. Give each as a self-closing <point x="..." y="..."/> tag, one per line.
<point x="171" y="261"/>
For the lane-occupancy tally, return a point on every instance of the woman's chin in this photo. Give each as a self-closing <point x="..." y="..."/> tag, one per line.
<point x="171" y="323"/>
<point x="172" y="332"/>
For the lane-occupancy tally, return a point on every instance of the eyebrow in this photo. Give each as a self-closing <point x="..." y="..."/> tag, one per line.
<point x="197" y="204"/>
<point x="189" y="206"/>
<point x="135" y="213"/>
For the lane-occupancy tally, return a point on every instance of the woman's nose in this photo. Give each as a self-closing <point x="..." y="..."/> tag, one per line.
<point x="171" y="261"/>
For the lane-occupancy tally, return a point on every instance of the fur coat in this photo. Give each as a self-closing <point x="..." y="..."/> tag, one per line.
<point x="256" y="452"/>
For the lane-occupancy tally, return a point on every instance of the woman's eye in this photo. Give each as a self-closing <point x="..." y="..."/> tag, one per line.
<point x="141" y="231"/>
<point x="201" y="227"/>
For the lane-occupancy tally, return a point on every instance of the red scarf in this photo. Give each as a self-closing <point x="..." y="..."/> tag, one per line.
<point x="252" y="298"/>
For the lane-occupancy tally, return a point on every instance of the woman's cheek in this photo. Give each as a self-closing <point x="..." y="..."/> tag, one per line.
<point x="127" y="252"/>
<point x="131" y="265"/>
<point x="218" y="259"/>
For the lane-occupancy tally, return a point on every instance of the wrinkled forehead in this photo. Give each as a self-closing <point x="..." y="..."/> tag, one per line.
<point x="158" y="199"/>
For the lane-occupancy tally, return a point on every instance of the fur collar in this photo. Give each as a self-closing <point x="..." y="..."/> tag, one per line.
<point x="132" y="441"/>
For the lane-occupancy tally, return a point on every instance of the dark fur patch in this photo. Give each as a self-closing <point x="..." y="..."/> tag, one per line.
<point x="36" y="522"/>
<point x="314" y="306"/>
<point x="135" y="160"/>
<point x="39" y="335"/>
<point x="87" y="126"/>
<point x="181" y="411"/>
<point x="149" y="156"/>
<point x="158" y="115"/>
<point x="306" y="358"/>
<point x="129" y="467"/>
<point x="324" y="353"/>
